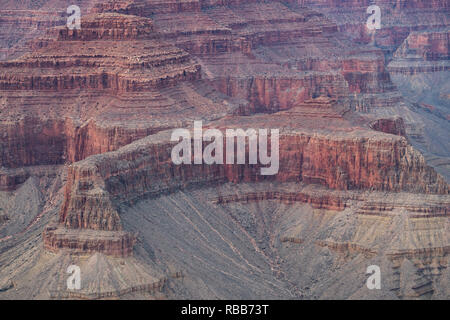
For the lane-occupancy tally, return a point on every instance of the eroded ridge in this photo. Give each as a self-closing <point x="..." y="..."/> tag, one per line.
<point x="87" y="117"/>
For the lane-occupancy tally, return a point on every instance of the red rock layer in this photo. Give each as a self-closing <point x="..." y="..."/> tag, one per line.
<point x="399" y="18"/>
<point x="147" y="8"/>
<point x="328" y="202"/>
<point x="117" y="244"/>
<point x="276" y="93"/>
<point x="275" y="56"/>
<point x="162" y="66"/>
<point x="393" y="126"/>
<point x="145" y="169"/>
<point x="19" y="26"/>
<point x="150" y="288"/>
<point x="433" y="45"/>
<point x="32" y="141"/>
<point x="429" y="210"/>
<point x="422" y="52"/>
<point x="103" y="63"/>
<point x="107" y="26"/>
<point x="346" y="248"/>
<point x="422" y="254"/>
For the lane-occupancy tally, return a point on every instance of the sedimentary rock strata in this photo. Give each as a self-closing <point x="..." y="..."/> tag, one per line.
<point x="116" y="244"/>
<point x="86" y="168"/>
<point x="422" y="52"/>
<point x="144" y="169"/>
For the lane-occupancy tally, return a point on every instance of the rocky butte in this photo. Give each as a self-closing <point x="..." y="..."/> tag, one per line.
<point x="86" y="174"/>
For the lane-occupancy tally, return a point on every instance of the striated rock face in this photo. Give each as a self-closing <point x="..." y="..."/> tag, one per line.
<point x="31" y="141"/>
<point x="414" y="40"/>
<point x="430" y="45"/>
<point x="98" y="59"/>
<point x="392" y="126"/>
<point x="107" y="74"/>
<point x="399" y="18"/>
<point x="422" y="52"/>
<point x="145" y="169"/>
<point x="116" y="244"/>
<point x="3" y="218"/>
<point x="150" y="7"/>
<point x="23" y="21"/>
<point x="420" y="69"/>
<point x="353" y="109"/>
<point x="328" y="202"/>
<point x="367" y="74"/>
<point x="324" y="242"/>
<point x="107" y="26"/>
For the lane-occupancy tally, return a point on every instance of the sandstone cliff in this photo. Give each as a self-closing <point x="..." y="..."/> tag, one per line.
<point x="144" y="169"/>
<point x="86" y="117"/>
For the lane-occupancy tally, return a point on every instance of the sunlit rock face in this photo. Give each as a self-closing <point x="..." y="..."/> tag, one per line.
<point x="87" y="175"/>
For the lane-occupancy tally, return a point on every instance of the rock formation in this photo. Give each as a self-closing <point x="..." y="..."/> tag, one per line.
<point x="86" y="123"/>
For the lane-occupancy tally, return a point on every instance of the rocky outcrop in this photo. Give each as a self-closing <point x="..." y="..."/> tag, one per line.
<point x="422" y="52"/>
<point x="116" y="294"/>
<point x="103" y="99"/>
<point x="115" y="67"/>
<point x="117" y="244"/>
<point x="85" y="77"/>
<point x="244" y="25"/>
<point x="393" y="126"/>
<point x="346" y="248"/>
<point x="10" y="180"/>
<point x="416" y="210"/>
<point x="32" y="141"/>
<point x="107" y="26"/>
<point x="431" y="45"/>
<point x="20" y="26"/>
<point x="272" y="94"/>
<point x="328" y="202"/>
<point x="145" y="169"/>
<point x="148" y="8"/>
<point x="399" y="18"/>
<point x="365" y="73"/>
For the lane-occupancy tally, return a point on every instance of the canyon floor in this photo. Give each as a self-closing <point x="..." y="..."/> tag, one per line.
<point x="87" y="178"/>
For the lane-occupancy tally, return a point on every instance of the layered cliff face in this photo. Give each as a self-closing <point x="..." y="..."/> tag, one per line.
<point x="414" y="39"/>
<point x="398" y="18"/>
<point x="144" y="169"/>
<point x="87" y="117"/>
<point x="420" y="69"/>
<point x="45" y="119"/>
<point x="422" y="52"/>
<point x="24" y="21"/>
<point x="18" y="27"/>
<point x="150" y="66"/>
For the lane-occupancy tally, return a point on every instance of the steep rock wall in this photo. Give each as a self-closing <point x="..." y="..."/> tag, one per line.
<point x="145" y="169"/>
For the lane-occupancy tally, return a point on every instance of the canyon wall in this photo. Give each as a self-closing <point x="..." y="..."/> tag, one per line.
<point x="32" y="141"/>
<point x="145" y="169"/>
<point x="399" y="18"/>
<point x="98" y="98"/>
<point x="422" y="52"/>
